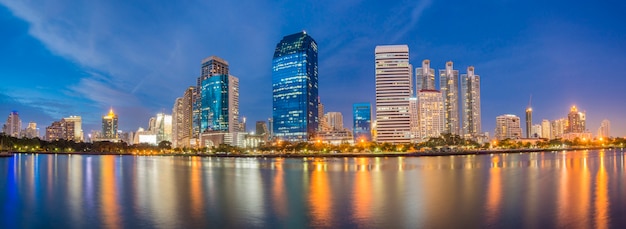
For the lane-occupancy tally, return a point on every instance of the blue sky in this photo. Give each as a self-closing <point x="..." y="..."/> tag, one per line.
<point x="66" y="58"/>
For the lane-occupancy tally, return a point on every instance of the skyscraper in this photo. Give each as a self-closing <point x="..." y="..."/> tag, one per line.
<point x="13" y="126"/>
<point x="425" y="77"/>
<point x="295" y="88"/>
<point x="393" y="90"/>
<point x="508" y="127"/>
<point x="430" y="114"/>
<point x="470" y="89"/>
<point x="161" y="126"/>
<point x="218" y="105"/>
<point x="182" y="119"/>
<point x="109" y="126"/>
<point x="210" y="66"/>
<point x="449" y="84"/>
<point x="557" y="128"/>
<point x="529" y="122"/>
<point x="362" y="118"/>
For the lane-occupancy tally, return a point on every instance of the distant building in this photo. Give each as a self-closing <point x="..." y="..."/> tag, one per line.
<point x="209" y="67"/>
<point x="162" y="127"/>
<point x="109" y="126"/>
<point x="536" y="131"/>
<point x="76" y="128"/>
<point x="13" y="126"/>
<point x="414" y="114"/>
<point x="323" y="125"/>
<point x="605" y="129"/>
<point x="295" y="88"/>
<point x="31" y="130"/>
<point x="430" y="114"/>
<point x="362" y="121"/>
<point x="470" y="90"/>
<point x="335" y="137"/>
<point x="262" y="131"/>
<point x="558" y="128"/>
<point x="449" y="84"/>
<point x="69" y="128"/>
<point x="425" y="77"/>
<point x="546" y="130"/>
<point x="508" y="127"/>
<point x="334" y="120"/>
<point x="393" y="91"/>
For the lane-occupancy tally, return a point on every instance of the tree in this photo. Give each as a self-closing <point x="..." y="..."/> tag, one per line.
<point x="165" y="145"/>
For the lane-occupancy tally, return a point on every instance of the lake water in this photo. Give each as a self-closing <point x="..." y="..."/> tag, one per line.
<point x="577" y="189"/>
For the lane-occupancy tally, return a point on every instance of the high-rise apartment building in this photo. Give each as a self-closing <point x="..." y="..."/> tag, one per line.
<point x="430" y="114"/>
<point x="575" y="121"/>
<point x="605" y="129"/>
<point x="449" y="84"/>
<point x="323" y="125"/>
<point x="182" y="119"/>
<point x="295" y="88"/>
<point x="13" y="126"/>
<point x="508" y="127"/>
<point x="558" y="128"/>
<point x="546" y="129"/>
<point x="75" y="129"/>
<point x="362" y="121"/>
<point x="425" y="77"/>
<point x="209" y="67"/>
<point x="109" y="126"/>
<point x="393" y="91"/>
<point x="470" y="89"/>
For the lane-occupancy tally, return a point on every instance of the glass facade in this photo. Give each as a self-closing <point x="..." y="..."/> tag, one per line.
<point x="362" y="116"/>
<point x="214" y="104"/>
<point x="295" y="88"/>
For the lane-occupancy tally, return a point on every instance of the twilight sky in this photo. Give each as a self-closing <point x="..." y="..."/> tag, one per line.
<point x="62" y="58"/>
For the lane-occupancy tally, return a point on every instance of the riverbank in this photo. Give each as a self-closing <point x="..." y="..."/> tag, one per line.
<point x="335" y="155"/>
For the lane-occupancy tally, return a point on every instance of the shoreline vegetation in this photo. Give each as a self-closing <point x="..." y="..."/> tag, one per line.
<point x="445" y="145"/>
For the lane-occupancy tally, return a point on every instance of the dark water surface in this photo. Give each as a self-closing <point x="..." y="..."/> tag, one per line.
<point x="576" y="189"/>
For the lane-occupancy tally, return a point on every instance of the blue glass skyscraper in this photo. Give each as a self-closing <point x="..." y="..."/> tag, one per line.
<point x="217" y="101"/>
<point x="295" y="88"/>
<point x="362" y="118"/>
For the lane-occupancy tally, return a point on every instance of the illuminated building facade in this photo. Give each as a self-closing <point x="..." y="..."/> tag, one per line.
<point x="425" y="77"/>
<point x="430" y="114"/>
<point x="362" y="121"/>
<point x="295" y="88"/>
<point x="449" y="85"/>
<point x="13" y="126"/>
<point x="470" y="89"/>
<point x="109" y="126"/>
<point x="508" y="127"/>
<point x="546" y="129"/>
<point x="393" y="91"/>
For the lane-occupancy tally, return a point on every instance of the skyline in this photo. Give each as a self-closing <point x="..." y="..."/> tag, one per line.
<point x="87" y="64"/>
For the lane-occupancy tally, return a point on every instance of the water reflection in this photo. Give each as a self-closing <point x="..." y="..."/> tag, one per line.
<point x="581" y="189"/>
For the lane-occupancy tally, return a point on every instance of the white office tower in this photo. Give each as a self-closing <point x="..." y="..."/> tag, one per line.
<point x="393" y="91"/>
<point x="545" y="129"/>
<point x="508" y="127"/>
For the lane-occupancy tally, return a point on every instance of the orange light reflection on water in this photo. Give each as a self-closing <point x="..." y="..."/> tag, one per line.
<point x="108" y="196"/>
<point x="320" y="196"/>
